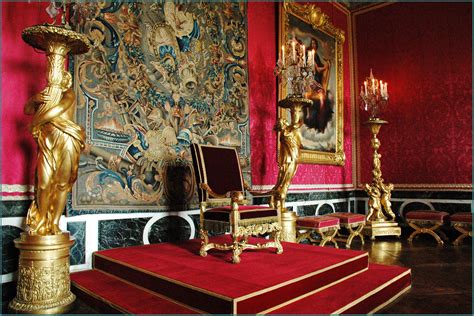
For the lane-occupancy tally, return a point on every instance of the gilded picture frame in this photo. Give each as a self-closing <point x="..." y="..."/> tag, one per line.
<point x="322" y="131"/>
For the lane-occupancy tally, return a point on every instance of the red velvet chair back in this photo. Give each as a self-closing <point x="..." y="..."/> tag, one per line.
<point x="218" y="167"/>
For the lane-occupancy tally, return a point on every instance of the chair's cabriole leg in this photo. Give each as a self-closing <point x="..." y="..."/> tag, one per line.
<point x="204" y="242"/>
<point x="277" y="236"/>
<point x="236" y="249"/>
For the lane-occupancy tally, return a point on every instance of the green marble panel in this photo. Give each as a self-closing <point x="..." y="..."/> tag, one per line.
<point x="121" y="232"/>
<point x="14" y="208"/>
<point x="169" y="229"/>
<point x="8" y="294"/>
<point x="78" y="250"/>
<point x="9" y="252"/>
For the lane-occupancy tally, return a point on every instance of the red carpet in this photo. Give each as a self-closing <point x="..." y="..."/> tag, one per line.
<point x="262" y="281"/>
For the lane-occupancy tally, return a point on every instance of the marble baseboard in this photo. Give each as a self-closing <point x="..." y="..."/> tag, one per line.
<point x="111" y="230"/>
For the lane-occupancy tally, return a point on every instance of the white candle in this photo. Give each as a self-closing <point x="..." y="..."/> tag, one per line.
<point x="294" y="50"/>
<point x="283" y="55"/>
<point x="304" y="55"/>
<point x="386" y="90"/>
<point x="365" y="87"/>
<point x="373" y="85"/>
<point x="381" y="88"/>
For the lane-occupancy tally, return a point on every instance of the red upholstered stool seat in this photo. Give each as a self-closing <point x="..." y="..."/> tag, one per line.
<point x="354" y="223"/>
<point x="436" y="216"/>
<point x="326" y="226"/>
<point x="426" y="222"/>
<point x="462" y="217"/>
<point x="462" y="222"/>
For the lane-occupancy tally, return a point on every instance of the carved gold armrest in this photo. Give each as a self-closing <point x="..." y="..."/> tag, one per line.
<point x="235" y="196"/>
<point x="213" y="194"/>
<point x="260" y="193"/>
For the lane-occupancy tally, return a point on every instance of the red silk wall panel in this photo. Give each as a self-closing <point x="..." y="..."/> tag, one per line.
<point x="23" y="74"/>
<point x="423" y="51"/>
<point x="262" y="42"/>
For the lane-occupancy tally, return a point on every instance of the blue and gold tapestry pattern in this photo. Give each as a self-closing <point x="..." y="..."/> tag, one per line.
<point x="158" y="77"/>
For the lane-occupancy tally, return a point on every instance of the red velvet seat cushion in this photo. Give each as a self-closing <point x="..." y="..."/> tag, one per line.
<point x="427" y="215"/>
<point x="348" y="218"/>
<point x="222" y="214"/>
<point x="317" y="221"/>
<point x="462" y="217"/>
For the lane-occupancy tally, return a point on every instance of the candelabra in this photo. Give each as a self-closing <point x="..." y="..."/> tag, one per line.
<point x="297" y="76"/>
<point x="295" y="69"/>
<point x="43" y="275"/>
<point x="380" y="217"/>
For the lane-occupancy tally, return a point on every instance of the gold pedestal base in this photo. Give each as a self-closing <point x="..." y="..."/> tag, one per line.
<point x="43" y="275"/>
<point x="388" y="228"/>
<point x="288" y="223"/>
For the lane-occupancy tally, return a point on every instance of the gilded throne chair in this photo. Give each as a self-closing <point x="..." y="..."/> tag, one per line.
<point x="224" y="207"/>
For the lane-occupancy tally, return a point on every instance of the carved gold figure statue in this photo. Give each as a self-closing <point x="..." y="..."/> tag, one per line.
<point x="290" y="144"/>
<point x="380" y="217"/>
<point x="43" y="274"/>
<point x="289" y="152"/>
<point x="60" y="142"/>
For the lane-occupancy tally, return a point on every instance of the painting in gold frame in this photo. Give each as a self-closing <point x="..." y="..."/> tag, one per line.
<point x="322" y="131"/>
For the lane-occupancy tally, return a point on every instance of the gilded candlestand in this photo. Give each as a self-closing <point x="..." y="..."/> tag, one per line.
<point x="43" y="274"/>
<point x="289" y="152"/>
<point x="380" y="217"/>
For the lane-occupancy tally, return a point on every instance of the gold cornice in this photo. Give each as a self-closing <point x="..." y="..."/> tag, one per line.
<point x="315" y="16"/>
<point x="341" y="7"/>
<point x="371" y="7"/>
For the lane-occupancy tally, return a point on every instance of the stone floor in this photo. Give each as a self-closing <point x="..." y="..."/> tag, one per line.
<point x="441" y="276"/>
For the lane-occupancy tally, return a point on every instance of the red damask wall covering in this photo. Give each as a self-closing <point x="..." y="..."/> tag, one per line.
<point x="263" y="26"/>
<point x="23" y="74"/>
<point x="424" y="52"/>
<point x="422" y="49"/>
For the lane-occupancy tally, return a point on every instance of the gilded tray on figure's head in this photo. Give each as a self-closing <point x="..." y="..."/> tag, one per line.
<point x="39" y="36"/>
<point x="288" y="102"/>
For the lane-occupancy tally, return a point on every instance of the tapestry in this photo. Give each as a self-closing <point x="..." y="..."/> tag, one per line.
<point x="158" y="77"/>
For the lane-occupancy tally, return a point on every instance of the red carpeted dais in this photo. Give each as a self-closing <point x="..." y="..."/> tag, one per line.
<point x="262" y="282"/>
